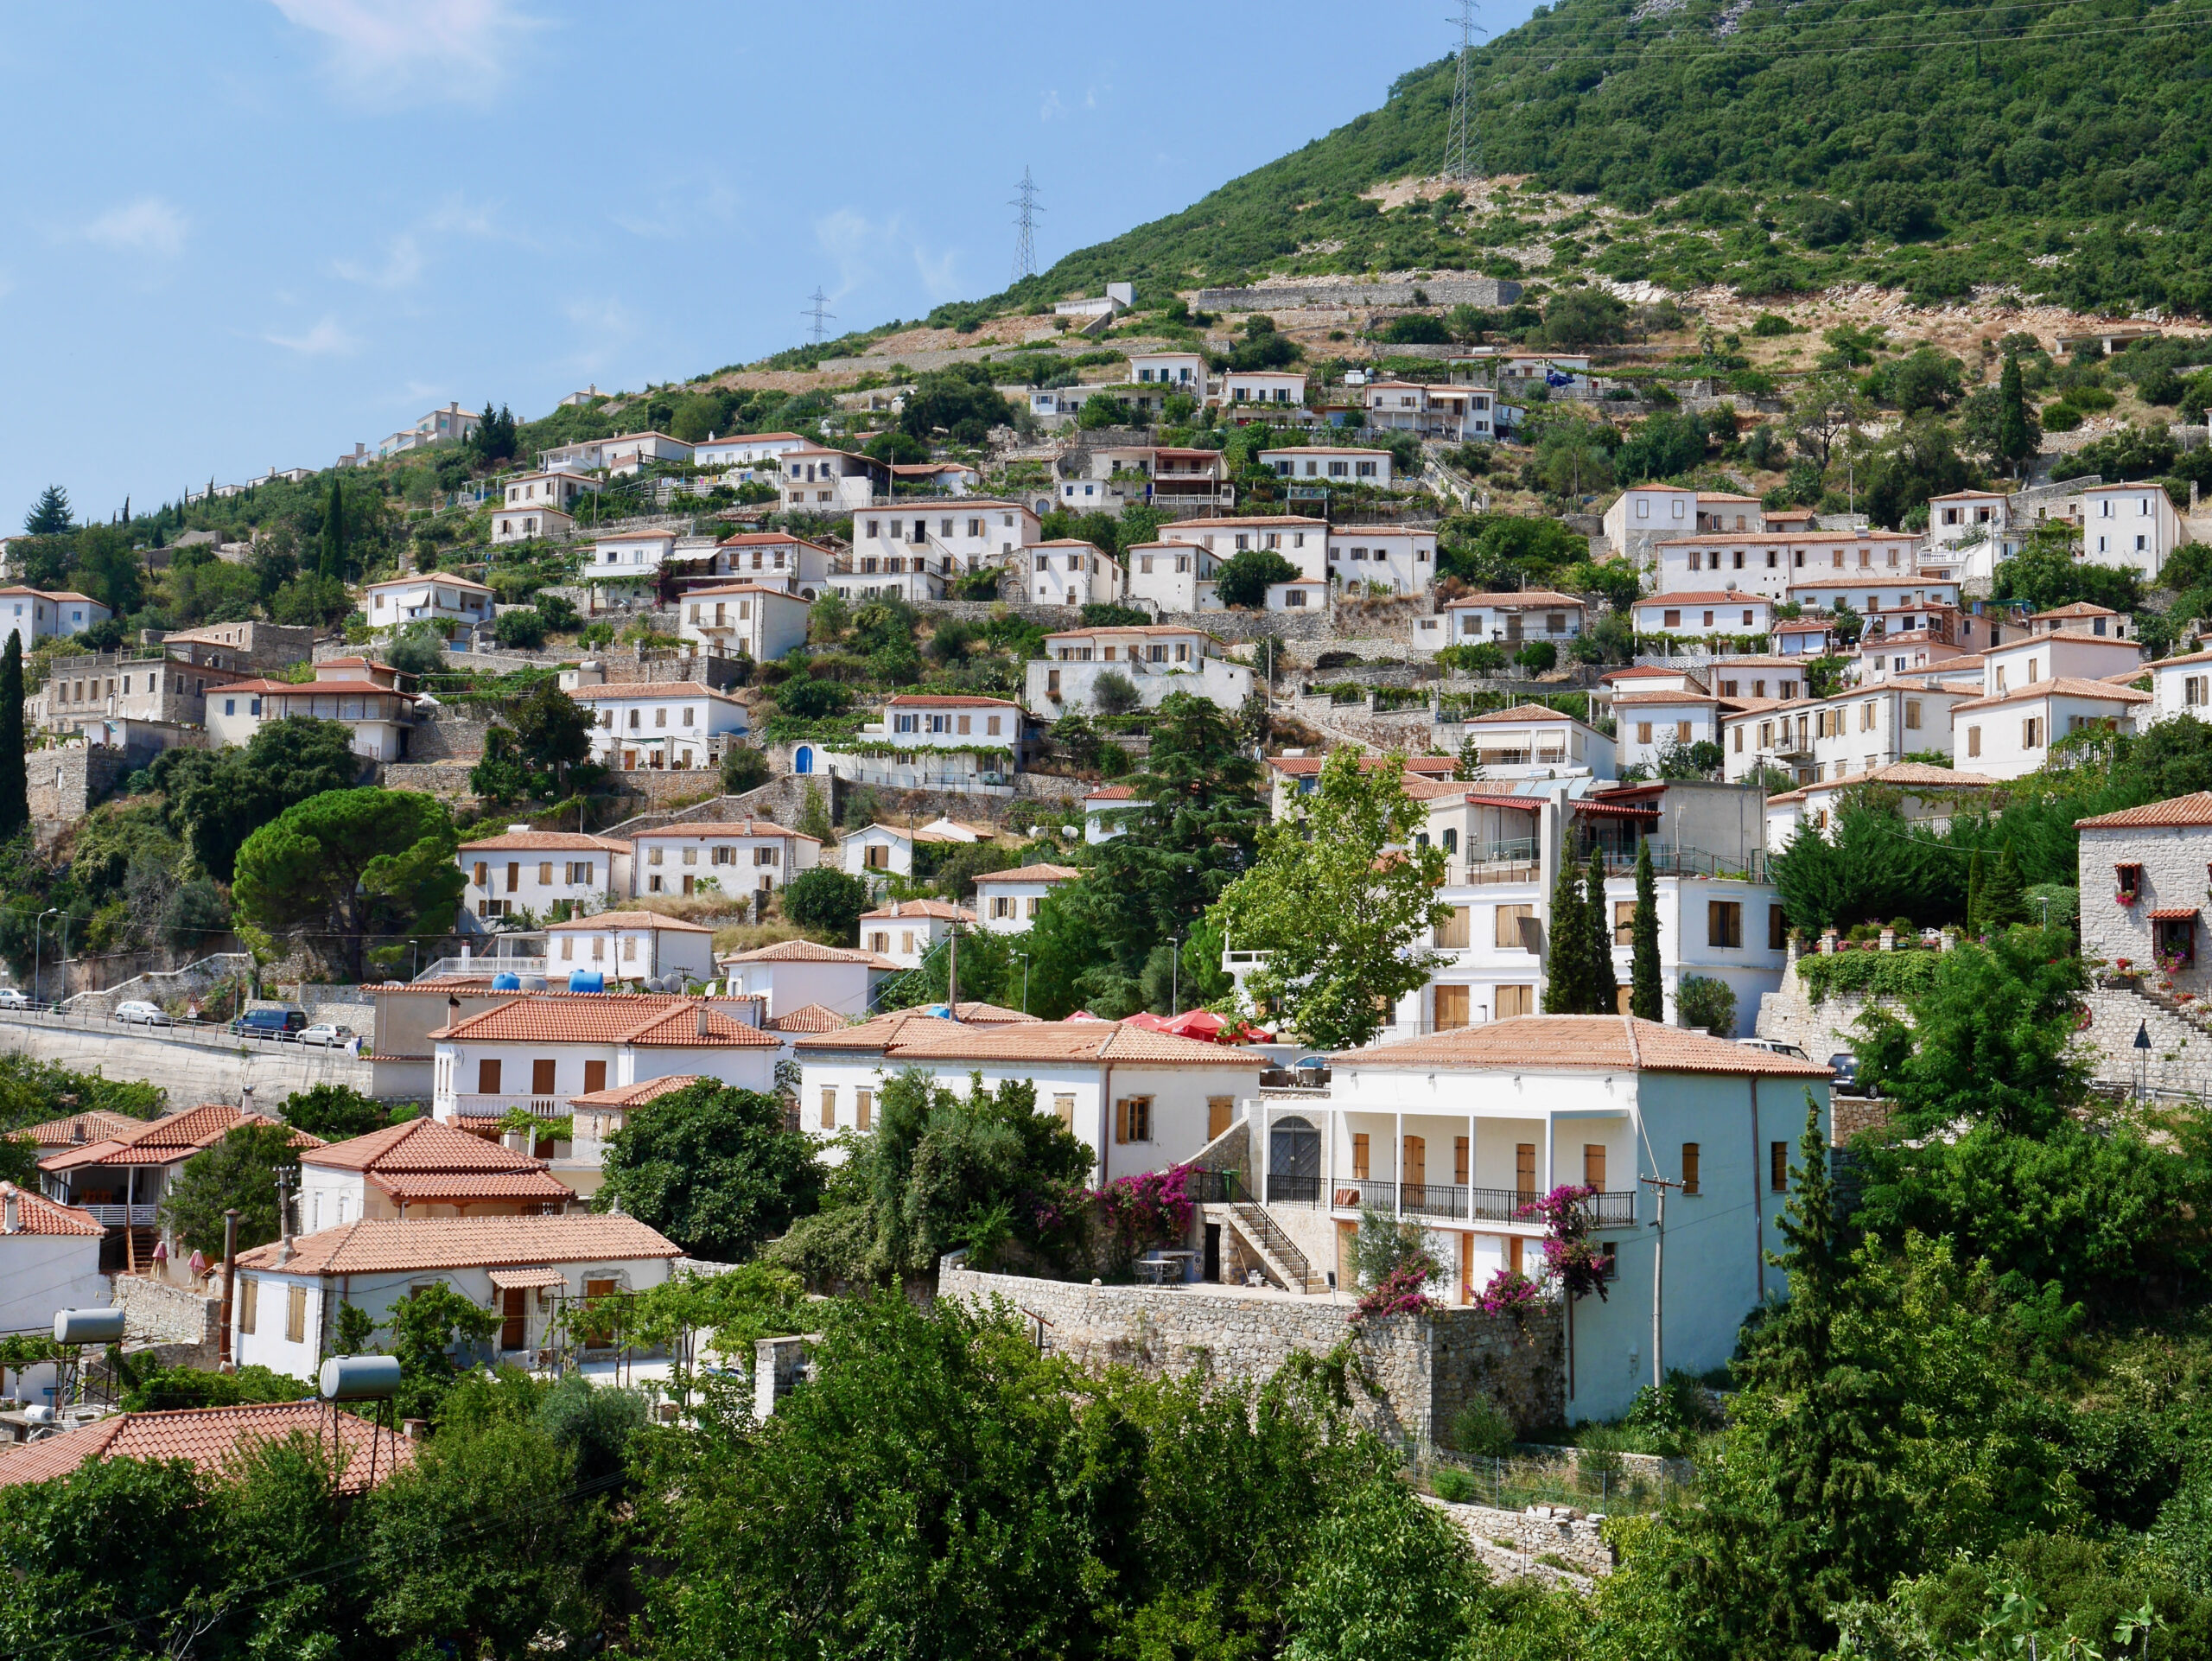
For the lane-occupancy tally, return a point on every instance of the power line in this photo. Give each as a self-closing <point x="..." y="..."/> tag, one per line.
<point x="1462" y="139"/>
<point x="1025" y="227"/>
<point x="820" y="313"/>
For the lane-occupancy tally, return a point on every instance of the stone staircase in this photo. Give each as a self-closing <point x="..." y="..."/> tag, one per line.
<point x="2179" y="1060"/>
<point x="1264" y="1237"/>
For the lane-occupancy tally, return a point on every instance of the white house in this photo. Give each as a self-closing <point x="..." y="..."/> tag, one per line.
<point x="1330" y="464"/>
<point x="1068" y="572"/>
<point x="879" y="850"/>
<point x="459" y="605"/>
<point x="1389" y="559"/>
<point x="1185" y="371"/>
<point x="536" y="1051"/>
<point x="1156" y="658"/>
<point x="1647" y="726"/>
<point x="1270" y="386"/>
<point x="818" y="480"/>
<point x="536" y="871"/>
<point x="630" y="945"/>
<point x="744" y="620"/>
<point x="530" y="1271"/>
<point x="422" y="1168"/>
<point x="2006" y="734"/>
<point x="794" y="975"/>
<point x="1105" y="811"/>
<point x="1432" y="410"/>
<point x="358" y="692"/>
<point x="32" y="615"/>
<point x="1171" y="576"/>
<point x="49" y="1260"/>
<point x="1302" y="541"/>
<point x="907" y="930"/>
<point x="636" y="555"/>
<point x="1508" y="619"/>
<point x="559" y="489"/>
<point x="746" y="449"/>
<point x="775" y="559"/>
<point x="739" y="856"/>
<point x="1141" y="1100"/>
<point x="1721" y="611"/>
<point x="1850" y="733"/>
<point x="659" y="724"/>
<point x="2142" y="887"/>
<point x="1643" y="514"/>
<point x="2053" y="654"/>
<point x="928" y="544"/>
<point x="2181" y="686"/>
<point x="634" y="452"/>
<point x="1773" y="564"/>
<point x="522" y="524"/>
<point x="2131" y="526"/>
<point x="928" y="740"/>
<point x="1520" y="1107"/>
<point x="1008" y="901"/>
<point x="1529" y="742"/>
<point x="1112" y="478"/>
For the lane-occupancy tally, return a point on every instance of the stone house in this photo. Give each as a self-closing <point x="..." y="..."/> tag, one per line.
<point x="2143" y="873"/>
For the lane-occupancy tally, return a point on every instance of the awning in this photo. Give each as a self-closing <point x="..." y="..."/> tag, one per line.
<point x="1615" y="810"/>
<point x="516" y="1280"/>
<point x="2174" y="914"/>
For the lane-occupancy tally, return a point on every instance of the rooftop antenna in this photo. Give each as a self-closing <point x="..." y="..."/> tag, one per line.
<point x="1024" y="228"/>
<point x="1463" y="140"/>
<point x="820" y="313"/>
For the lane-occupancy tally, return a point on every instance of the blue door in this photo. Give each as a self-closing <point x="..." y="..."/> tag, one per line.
<point x="803" y="760"/>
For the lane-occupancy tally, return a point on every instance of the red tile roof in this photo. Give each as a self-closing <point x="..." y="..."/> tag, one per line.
<point x="454" y="1187"/>
<point x="544" y="842"/>
<point x="1583" y="1043"/>
<point x="1300" y="767"/>
<point x="1048" y="1042"/>
<point x="214" y="1438"/>
<point x="382" y="1245"/>
<point x="946" y="700"/>
<point x="809" y="1018"/>
<point x="651" y="1018"/>
<point x="637" y="1095"/>
<point x="1030" y="873"/>
<point x="723" y="828"/>
<point x="1715" y="597"/>
<point x="2063" y="686"/>
<point x="36" y="1214"/>
<point x="658" y="689"/>
<point x="94" y="1124"/>
<point x="2192" y="810"/>
<point x="421" y="1146"/>
<point x="613" y="919"/>
<point x="1519" y="599"/>
<point x="166" y="1141"/>
<point x="808" y="952"/>
<point x="1518" y="713"/>
<point x="944" y="911"/>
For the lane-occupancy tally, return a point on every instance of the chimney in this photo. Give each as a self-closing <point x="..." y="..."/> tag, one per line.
<point x="77" y="1131"/>
<point x="415" y="1430"/>
<point x="245" y="1099"/>
<point x="703" y="1017"/>
<point x="11" y="1209"/>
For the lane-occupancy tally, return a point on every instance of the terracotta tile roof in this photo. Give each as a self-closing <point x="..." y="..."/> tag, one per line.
<point x="2173" y="914"/>
<point x="166" y="1141"/>
<point x="1030" y="873"/>
<point x="1045" y="1041"/>
<point x="1123" y="793"/>
<point x="212" y="1438"/>
<point x="724" y="828"/>
<point x="2063" y="686"/>
<point x="1599" y="1043"/>
<point x="1301" y="767"/>
<point x="316" y="688"/>
<point x="1127" y="628"/>
<point x="1726" y="539"/>
<point x="809" y="1018"/>
<point x="94" y="1124"/>
<point x="898" y="1026"/>
<point x="1634" y="700"/>
<point x="659" y="689"/>
<point x="1528" y="599"/>
<point x="36" y="1214"/>
<point x="2192" y="810"/>
<point x="946" y="700"/>
<point x="2074" y="635"/>
<point x="943" y="910"/>
<point x="807" y="951"/>
<point x="381" y="1245"/>
<point x="768" y="538"/>
<point x="1641" y="673"/>
<point x="1520" y="712"/>
<point x="421" y="1145"/>
<point x="2077" y="609"/>
<point x="747" y="587"/>
<point x="549" y="841"/>
<point x="975" y="1013"/>
<point x="1905" y="774"/>
<point x="600" y="921"/>
<point x="452" y="1187"/>
<point x="637" y="1018"/>
<point x="637" y="1095"/>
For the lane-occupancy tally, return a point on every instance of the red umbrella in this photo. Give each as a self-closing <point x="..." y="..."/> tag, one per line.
<point x="1196" y="1023"/>
<point x="1149" y="1022"/>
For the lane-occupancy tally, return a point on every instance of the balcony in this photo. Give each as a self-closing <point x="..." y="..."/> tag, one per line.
<point x="1456" y="1203"/>
<point x="121" y="1216"/>
<point x="471" y="1104"/>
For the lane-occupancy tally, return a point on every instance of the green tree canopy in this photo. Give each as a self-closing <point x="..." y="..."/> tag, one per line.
<point x="826" y="900"/>
<point x="218" y="797"/>
<point x="714" y="1167"/>
<point x="240" y="1170"/>
<point x="349" y="868"/>
<point x="1244" y="578"/>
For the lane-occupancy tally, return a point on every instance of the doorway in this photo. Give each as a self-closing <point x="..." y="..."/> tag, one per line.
<point x="513" y="1318"/>
<point x="1213" y="1253"/>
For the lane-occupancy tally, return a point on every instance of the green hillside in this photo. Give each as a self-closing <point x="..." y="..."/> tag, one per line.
<point x="1924" y="146"/>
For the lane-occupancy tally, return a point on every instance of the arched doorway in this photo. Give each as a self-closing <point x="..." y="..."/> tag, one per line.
<point x="1294" y="1161"/>
<point x="803" y="759"/>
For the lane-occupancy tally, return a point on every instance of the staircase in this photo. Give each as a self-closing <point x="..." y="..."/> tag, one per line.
<point x="1283" y="1260"/>
<point x="2179" y="1060"/>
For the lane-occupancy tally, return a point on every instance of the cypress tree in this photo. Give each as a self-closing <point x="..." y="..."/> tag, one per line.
<point x="2012" y="442"/>
<point x="1596" y="911"/>
<point x="2004" y="896"/>
<point x="333" y="532"/>
<point x="1566" y="978"/>
<point x="1647" y="998"/>
<point x="14" y="782"/>
<point x="1973" y="895"/>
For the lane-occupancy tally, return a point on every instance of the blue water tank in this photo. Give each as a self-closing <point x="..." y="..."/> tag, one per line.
<point x="507" y="983"/>
<point x="587" y="980"/>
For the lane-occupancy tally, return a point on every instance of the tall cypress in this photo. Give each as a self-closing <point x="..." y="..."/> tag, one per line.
<point x="1598" y="934"/>
<point x="333" y="531"/>
<point x="1566" y="978"/>
<point x="1647" y="999"/>
<point x="1974" y="895"/>
<point x="2013" y="443"/>
<point x="15" y="781"/>
<point x="2004" y="895"/>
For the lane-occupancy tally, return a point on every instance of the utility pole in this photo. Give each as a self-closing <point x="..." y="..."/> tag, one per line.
<point x="819" y="313"/>
<point x="1026" y="208"/>
<point x="1658" y="1264"/>
<point x="952" y="971"/>
<point x="1462" y="139"/>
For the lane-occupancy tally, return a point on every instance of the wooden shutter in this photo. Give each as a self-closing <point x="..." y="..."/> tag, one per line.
<point x="1459" y="1156"/>
<point x="249" y="1303"/>
<point x="1690" y="1166"/>
<point x="542" y="1071"/>
<point x="829" y="1109"/>
<point x="1778" y="1159"/>
<point x="864" y="1108"/>
<point x="1359" y="1145"/>
<point x="296" y="1314"/>
<point x="1121" y="1120"/>
<point x="1451" y="1008"/>
<point x="1524" y="1168"/>
<point x="1416" y="1161"/>
<point x="1594" y="1165"/>
<point x="487" y="1077"/>
<point x="1219" y="1112"/>
<point x="594" y="1076"/>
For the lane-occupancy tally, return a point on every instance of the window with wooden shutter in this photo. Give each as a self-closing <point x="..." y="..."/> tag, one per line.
<point x="1509" y="918"/>
<point x="1724" y="923"/>
<point x="1623" y="922"/>
<point x="542" y="1071"/>
<point x="1359" y="1147"/>
<point x="594" y="1076"/>
<point x="1064" y="1111"/>
<point x="1777" y="1165"/>
<point x="514" y="876"/>
<point x="1459" y="1153"/>
<point x="864" y="1109"/>
<point x="249" y="1303"/>
<point x="1515" y="1000"/>
<point x="1220" y="1109"/>
<point x="1414" y="1167"/>
<point x="829" y="1108"/>
<point x="1690" y="1166"/>
<point x="1451" y="1008"/>
<point x="1594" y="1165"/>
<point x="545" y="872"/>
<point x="487" y="1077"/>
<point x="1452" y="934"/>
<point x="1524" y="1169"/>
<point x="296" y="1314"/>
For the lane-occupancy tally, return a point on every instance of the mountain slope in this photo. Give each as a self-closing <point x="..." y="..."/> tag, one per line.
<point x="2059" y="146"/>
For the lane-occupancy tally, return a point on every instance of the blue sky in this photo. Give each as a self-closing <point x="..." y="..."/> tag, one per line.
<point x="245" y="234"/>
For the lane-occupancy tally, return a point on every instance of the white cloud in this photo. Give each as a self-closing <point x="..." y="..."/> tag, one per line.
<point x="405" y="51"/>
<point x="328" y="339"/>
<point x="862" y="248"/>
<point x="604" y="325"/>
<point x="148" y="225"/>
<point x="1051" y="109"/>
<point x="407" y="255"/>
<point x="939" y="280"/>
<point x="402" y="264"/>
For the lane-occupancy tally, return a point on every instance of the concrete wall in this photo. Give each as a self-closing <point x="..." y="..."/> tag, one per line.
<point x="1423" y="1369"/>
<point x="165" y="986"/>
<point x="195" y="1068"/>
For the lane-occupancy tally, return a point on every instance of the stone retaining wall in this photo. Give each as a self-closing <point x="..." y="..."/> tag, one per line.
<point x="159" y="1313"/>
<point x="1424" y="1369"/>
<point x="1541" y="1531"/>
<point x="166" y="986"/>
<point x="211" y="1067"/>
<point x="67" y="782"/>
<point x="1487" y="291"/>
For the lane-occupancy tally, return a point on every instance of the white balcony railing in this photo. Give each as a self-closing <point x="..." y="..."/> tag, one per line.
<point x="121" y="1216"/>
<point x="473" y="1104"/>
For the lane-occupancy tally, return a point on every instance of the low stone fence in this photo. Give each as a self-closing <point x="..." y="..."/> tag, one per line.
<point x="1488" y="292"/>
<point x="1538" y="1533"/>
<point x="1422" y="1369"/>
<point x="158" y="1313"/>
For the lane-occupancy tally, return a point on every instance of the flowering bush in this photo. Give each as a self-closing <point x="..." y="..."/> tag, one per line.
<point x="1510" y="1293"/>
<point x="1569" y="1257"/>
<point x="1154" y="1209"/>
<point x="1403" y="1291"/>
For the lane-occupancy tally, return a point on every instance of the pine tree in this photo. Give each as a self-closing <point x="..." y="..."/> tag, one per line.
<point x="2013" y="444"/>
<point x="15" y="783"/>
<point x="1647" y="998"/>
<point x="333" y="532"/>
<point x="50" y="518"/>
<point x="2004" y="896"/>
<point x="1467" y="768"/>
<point x="1566" y="978"/>
<point x="1598" y="936"/>
<point x="1974" y="895"/>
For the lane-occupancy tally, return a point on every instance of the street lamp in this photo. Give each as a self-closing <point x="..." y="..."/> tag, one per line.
<point x="1024" y="956"/>
<point x="1174" y="979"/>
<point x="38" y="925"/>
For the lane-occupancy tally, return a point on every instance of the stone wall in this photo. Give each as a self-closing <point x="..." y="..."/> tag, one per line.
<point x="451" y="736"/>
<point x="67" y="783"/>
<point x="1422" y="1369"/>
<point x="156" y="1312"/>
<point x="1541" y="1531"/>
<point x="1488" y="291"/>
<point x="191" y="1068"/>
<point x="165" y="986"/>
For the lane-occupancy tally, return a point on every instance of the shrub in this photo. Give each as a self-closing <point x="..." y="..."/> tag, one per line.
<point x="1705" y="1004"/>
<point x="1482" y="1430"/>
<point x="1453" y="1485"/>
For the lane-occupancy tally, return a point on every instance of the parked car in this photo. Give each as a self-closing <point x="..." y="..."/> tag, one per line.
<point x="12" y="998"/>
<point x="1774" y="1047"/>
<point x="328" y="1035"/>
<point x="138" y="1012"/>
<point x="282" y="1023"/>
<point x="1847" y="1074"/>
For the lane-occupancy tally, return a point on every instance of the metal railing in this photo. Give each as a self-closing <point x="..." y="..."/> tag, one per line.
<point x="1432" y="1199"/>
<point x="492" y="1105"/>
<point x="1211" y="1187"/>
<point x="1293" y="1190"/>
<point x="1457" y="1203"/>
<point x="121" y="1216"/>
